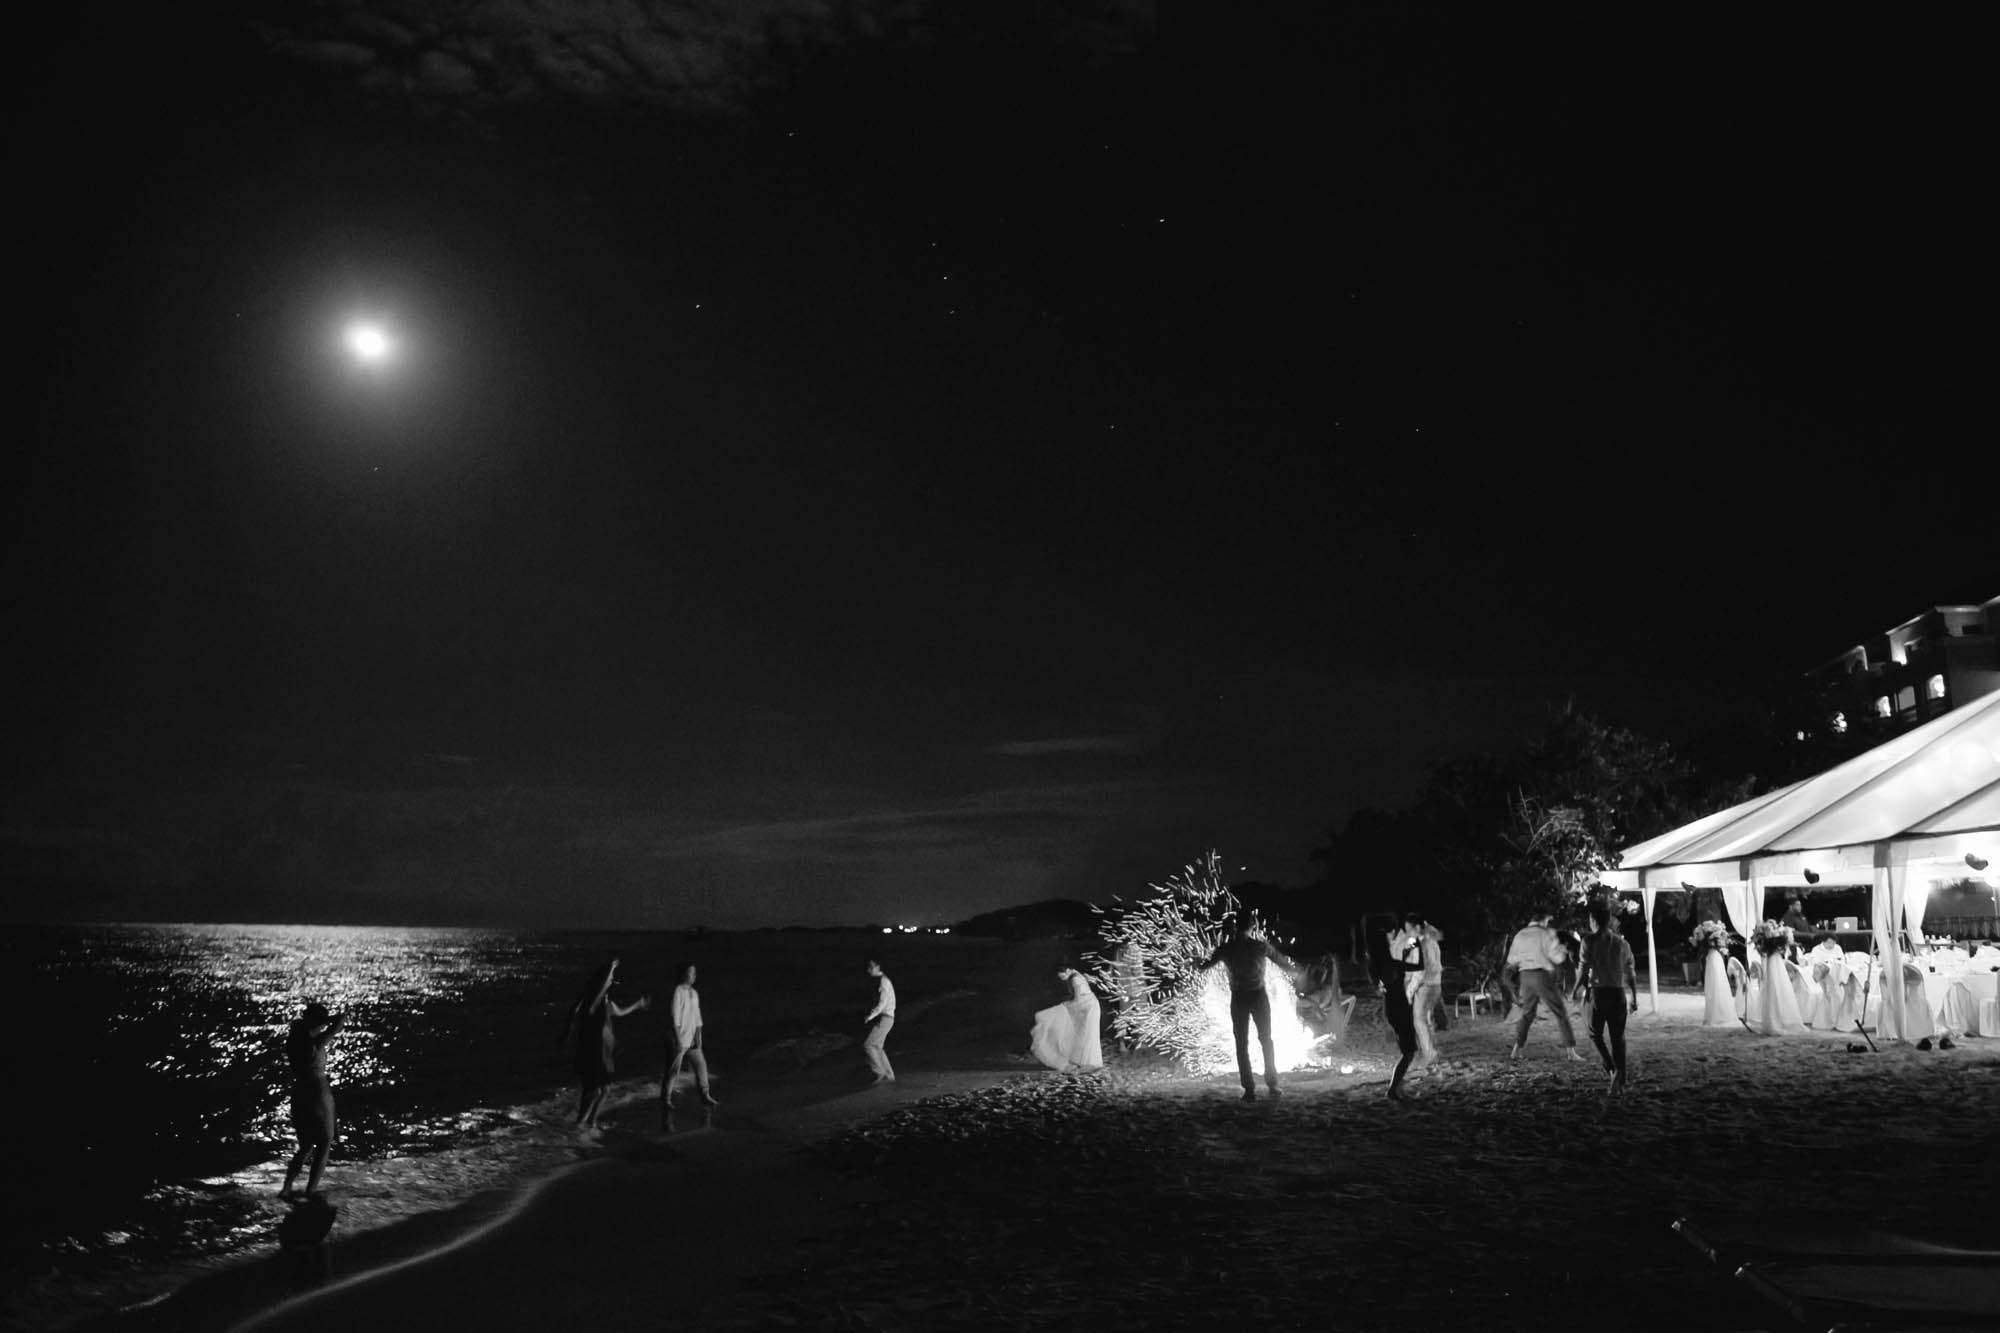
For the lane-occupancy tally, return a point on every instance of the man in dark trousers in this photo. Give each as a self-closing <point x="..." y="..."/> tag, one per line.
<point x="1540" y="955"/>
<point x="1243" y="953"/>
<point x="1613" y="980"/>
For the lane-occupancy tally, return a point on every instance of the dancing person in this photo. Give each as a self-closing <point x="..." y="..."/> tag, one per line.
<point x="1402" y="963"/>
<point x="1244" y="953"/>
<point x="1320" y="1000"/>
<point x="312" y="1095"/>
<point x="685" y="1013"/>
<point x="590" y="1026"/>
<point x="1609" y="971"/>
<point x="1426" y="984"/>
<point x="880" y="1019"/>
<point x="1066" y="1036"/>
<point x="1540" y="956"/>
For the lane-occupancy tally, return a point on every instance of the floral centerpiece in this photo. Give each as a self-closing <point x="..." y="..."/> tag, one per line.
<point x="1710" y="935"/>
<point x="1770" y="937"/>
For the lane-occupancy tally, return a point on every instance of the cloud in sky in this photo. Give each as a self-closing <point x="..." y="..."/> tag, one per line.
<point x="681" y="53"/>
<point x="1034" y="814"/>
<point x="1070" y="745"/>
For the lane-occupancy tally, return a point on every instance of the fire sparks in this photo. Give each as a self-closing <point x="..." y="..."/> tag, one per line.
<point x="1151" y="966"/>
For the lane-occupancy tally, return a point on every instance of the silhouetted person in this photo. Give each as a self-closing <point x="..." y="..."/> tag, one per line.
<point x="1400" y="962"/>
<point x="1426" y="985"/>
<point x="1244" y="954"/>
<point x="685" y="1013"/>
<point x="1540" y="955"/>
<point x="596" y="1044"/>
<point x="1609" y="971"/>
<point x="312" y="1095"/>
<point x="880" y="1019"/>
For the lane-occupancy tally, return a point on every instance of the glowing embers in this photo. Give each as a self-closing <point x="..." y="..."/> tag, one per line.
<point x="1215" y="1052"/>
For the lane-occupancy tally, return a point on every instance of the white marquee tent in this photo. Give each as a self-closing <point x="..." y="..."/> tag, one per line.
<point x="1920" y="808"/>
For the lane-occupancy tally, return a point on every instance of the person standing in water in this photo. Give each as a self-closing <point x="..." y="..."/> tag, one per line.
<point x="880" y="1019"/>
<point x="312" y="1095"/>
<point x="686" y="1039"/>
<point x="595" y="1043"/>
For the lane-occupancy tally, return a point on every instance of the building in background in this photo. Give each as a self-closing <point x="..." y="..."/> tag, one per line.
<point x="1929" y="664"/>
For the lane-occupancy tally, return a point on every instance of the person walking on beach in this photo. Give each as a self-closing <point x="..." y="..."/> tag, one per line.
<point x="1244" y="953"/>
<point x="590" y="1027"/>
<point x="1065" y="1036"/>
<point x="685" y="1014"/>
<point x="880" y="1019"/>
<point x="1403" y="964"/>
<point x="1540" y="956"/>
<point x="1427" y="983"/>
<point x="1610" y="973"/>
<point x="312" y="1095"/>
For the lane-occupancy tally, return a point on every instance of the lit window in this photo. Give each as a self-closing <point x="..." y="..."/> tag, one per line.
<point x="1839" y="721"/>
<point x="1906" y="699"/>
<point x="1934" y="687"/>
<point x="1882" y="705"/>
<point x="1802" y="735"/>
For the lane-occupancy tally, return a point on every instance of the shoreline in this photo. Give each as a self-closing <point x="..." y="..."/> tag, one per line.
<point x="980" y="1191"/>
<point x="790" y="1092"/>
<point x="701" y="1169"/>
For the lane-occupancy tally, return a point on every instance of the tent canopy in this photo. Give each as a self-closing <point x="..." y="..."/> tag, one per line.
<point x="1931" y="795"/>
<point x="1926" y="802"/>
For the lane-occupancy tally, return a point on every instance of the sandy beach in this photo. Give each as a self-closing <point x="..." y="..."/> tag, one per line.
<point x="979" y="1191"/>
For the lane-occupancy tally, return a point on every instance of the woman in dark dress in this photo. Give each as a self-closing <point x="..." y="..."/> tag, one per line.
<point x="590" y="1027"/>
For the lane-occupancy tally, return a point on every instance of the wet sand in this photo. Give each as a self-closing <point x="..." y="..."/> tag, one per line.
<point x="981" y="1192"/>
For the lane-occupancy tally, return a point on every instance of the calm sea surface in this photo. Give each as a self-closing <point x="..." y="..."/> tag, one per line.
<point x="155" y="1094"/>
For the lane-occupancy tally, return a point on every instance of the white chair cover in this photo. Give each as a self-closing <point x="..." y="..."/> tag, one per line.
<point x="1917" y="1010"/>
<point x="1983" y="993"/>
<point x="1802" y="988"/>
<point x="1958" y="1013"/>
<point x="1829" y="977"/>
<point x="1862" y="983"/>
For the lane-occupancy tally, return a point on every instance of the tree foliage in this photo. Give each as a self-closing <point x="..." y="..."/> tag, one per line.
<point x="1492" y="840"/>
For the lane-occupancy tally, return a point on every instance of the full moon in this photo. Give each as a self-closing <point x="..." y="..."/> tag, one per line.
<point x="368" y="343"/>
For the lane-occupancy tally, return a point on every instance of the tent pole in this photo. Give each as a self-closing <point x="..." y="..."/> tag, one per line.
<point x="1652" y="952"/>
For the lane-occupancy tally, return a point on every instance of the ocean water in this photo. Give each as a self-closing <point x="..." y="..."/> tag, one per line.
<point x="155" y="1096"/>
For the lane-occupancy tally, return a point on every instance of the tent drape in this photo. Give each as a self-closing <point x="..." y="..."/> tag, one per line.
<point x="1744" y="905"/>
<point x="1916" y="897"/>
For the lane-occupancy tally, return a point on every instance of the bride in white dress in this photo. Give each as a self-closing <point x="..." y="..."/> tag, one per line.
<point x="1065" y="1035"/>
<point x="1774" y="1008"/>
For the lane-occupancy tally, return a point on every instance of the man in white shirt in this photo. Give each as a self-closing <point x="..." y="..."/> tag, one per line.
<point x="880" y="1019"/>
<point x="686" y="1037"/>
<point x="1540" y="956"/>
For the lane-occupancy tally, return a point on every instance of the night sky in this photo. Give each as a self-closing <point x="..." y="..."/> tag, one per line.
<point x="878" y="462"/>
